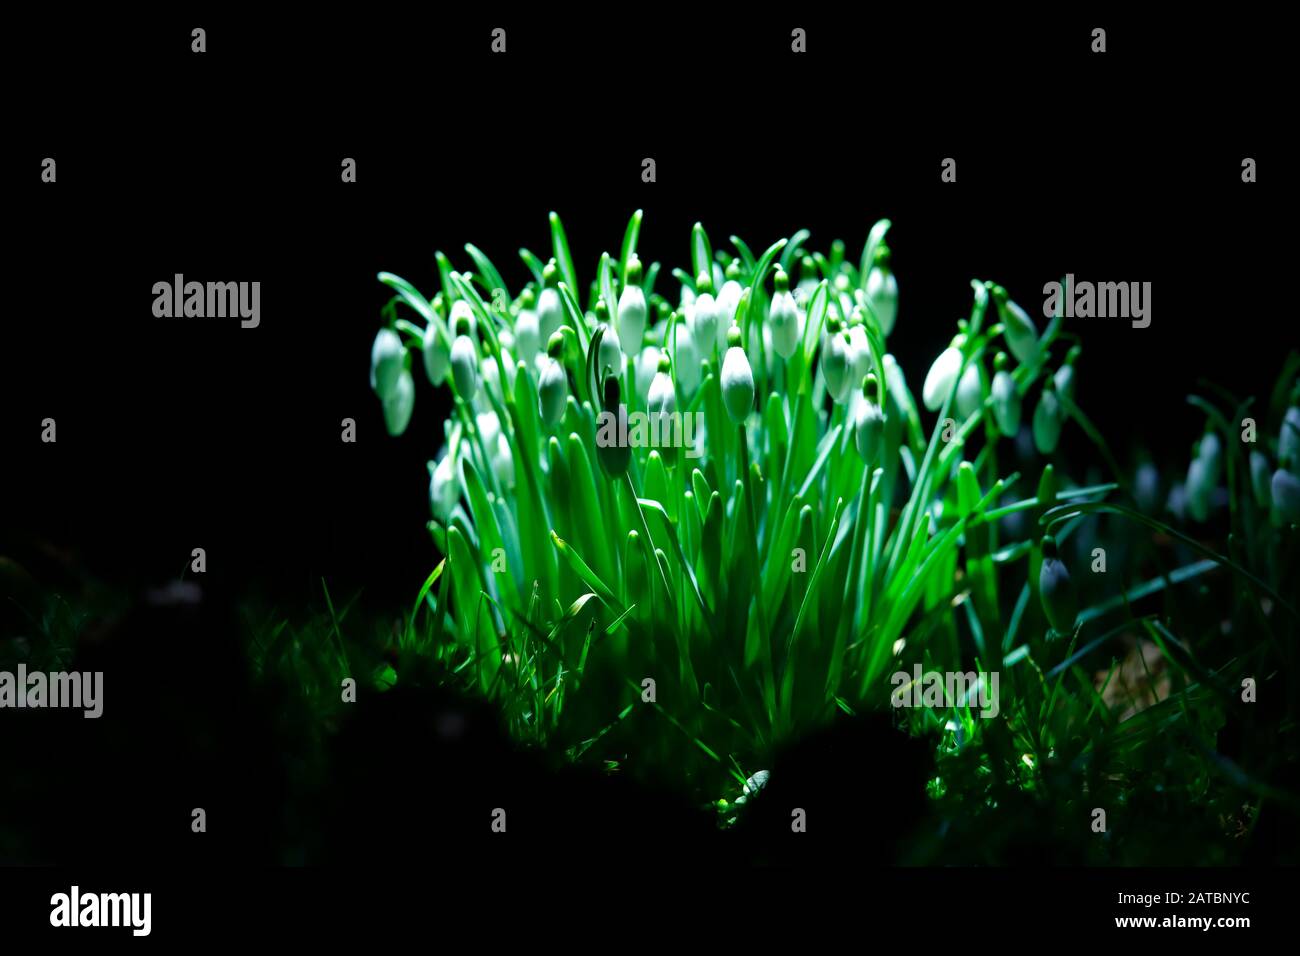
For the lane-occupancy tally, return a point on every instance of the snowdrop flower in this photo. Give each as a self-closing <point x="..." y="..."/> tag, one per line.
<point x="550" y="311"/>
<point x="1056" y="590"/>
<point x="1017" y="328"/>
<point x="1260" y="480"/>
<point x="437" y="357"/>
<point x="1210" y="451"/>
<point x="614" y="456"/>
<point x="1006" y="399"/>
<point x="1197" y="490"/>
<point x="942" y="375"/>
<point x="647" y="364"/>
<point x="632" y="311"/>
<point x="662" y="400"/>
<point x="808" y="282"/>
<point x="492" y="375"/>
<point x="610" y="355"/>
<point x="686" y="355"/>
<point x="387" y="359"/>
<point x="553" y="387"/>
<point x="461" y="309"/>
<point x="512" y="366"/>
<point x="861" y="350"/>
<point x="444" y="489"/>
<point x="503" y="463"/>
<point x="464" y="361"/>
<point x="1047" y="420"/>
<point x="870" y="422"/>
<point x="844" y="298"/>
<point x="727" y="301"/>
<point x="753" y="786"/>
<point x="1203" y="475"/>
<point x="1064" y="376"/>
<point x="1286" y="495"/>
<point x="489" y="427"/>
<point x="969" y="394"/>
<point x="784" y="317"/>
<point x="399" y="405"/>
<point x="882" y="290"/>
<point x="1146" y="487"/>
<point x="1288" y="439"/>
<point x="528" y="336"/>
<point x="737" y="379"/>
<point x="837" y="361"/>
<point x="707" y="316"/>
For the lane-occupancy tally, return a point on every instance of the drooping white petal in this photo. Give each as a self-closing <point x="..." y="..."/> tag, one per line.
<point x="737" y="384"/>
<point x="941" y="377"/>
<point x="400" y="403"/>
<point x="437" y="357"/>
<point x="882" y="296"/>
<point x="387" y="358"/>
<point x="632" y="315"/>
<point x="552" y="391"/>
<point x="464" y="366"/>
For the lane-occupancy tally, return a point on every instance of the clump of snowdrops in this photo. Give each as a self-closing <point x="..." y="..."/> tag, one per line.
<point x="693" y="608"/>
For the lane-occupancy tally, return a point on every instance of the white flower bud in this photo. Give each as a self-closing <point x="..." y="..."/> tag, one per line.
<point x="1288" y="439"/>
<point x="610" y="355"/>
<point x="1056" y="591"/>
<point x="399" y="405"/>
<point x="464" y="365"/>
<point x="942" y="375"/>
<point x="662" y="400"/>
<point x="503" y="463"/>
<point x="868" y="429"/>
<point x="444" y="489"/>
<point x="512" y="366"/>
<point x="969" y="397"/>
<point x="437" y="357"/>
<point x="861" y="353"/>
<point x="528" y="336"/>
<point x="1198" y="489"/>
<point x="1047" y="421"/>
<point x="1286" y="495"/>
<point x="461" y="309"/>
<point x="882" y="291"/>
<point x="1260" y="479"/>
<point x="647" y="364"/>
<point x="1210" y="451"/>
<point x="387" y="359"/>
<point x="707" y="317"/>
<point x="784" y="318"/>
<point x="1018" y="328"/>
<point x="550" y="313"/>
<point x="550" y="310"/>
<point x="837" y="363"/>
<point x="687" y="357"/>
<point x="632" y="310"/>
<point x="1006" y="403"/>
<point x="737" y="379"/>
<point x="489" y="380"/>
<point x="489" y="427"/>
<point x="726" y="303"/>
<point x="553" y="387"/>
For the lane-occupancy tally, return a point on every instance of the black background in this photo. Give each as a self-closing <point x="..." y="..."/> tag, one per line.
<point x="175" y="434"/>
